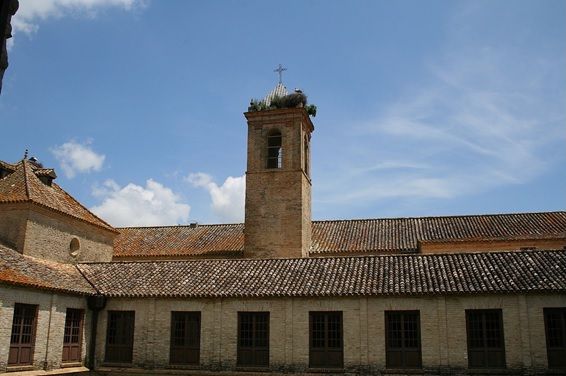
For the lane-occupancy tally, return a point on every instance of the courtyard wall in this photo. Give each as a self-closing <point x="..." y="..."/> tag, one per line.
<point x="442" y="321"/>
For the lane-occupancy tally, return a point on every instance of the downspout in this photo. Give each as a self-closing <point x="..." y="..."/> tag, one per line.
<point x="95" y="303"/>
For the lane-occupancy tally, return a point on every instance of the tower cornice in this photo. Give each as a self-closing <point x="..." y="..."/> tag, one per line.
<point x="274" y="115"/>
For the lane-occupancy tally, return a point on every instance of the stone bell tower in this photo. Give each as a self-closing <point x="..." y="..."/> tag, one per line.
<point x="278" y="183"/>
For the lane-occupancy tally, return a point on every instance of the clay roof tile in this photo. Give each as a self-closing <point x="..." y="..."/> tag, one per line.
<point x="459" y="273"/>
<point x="24" y="185"/>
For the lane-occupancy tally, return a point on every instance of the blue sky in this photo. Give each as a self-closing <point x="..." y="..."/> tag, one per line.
<point x="424" y="108"/>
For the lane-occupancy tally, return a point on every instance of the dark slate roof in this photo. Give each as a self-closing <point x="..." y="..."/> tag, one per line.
<point x="464" y="273"/>
<point x="383" y="235"/>
<point x="22" y="184"/>
<point x="20" y="270"/>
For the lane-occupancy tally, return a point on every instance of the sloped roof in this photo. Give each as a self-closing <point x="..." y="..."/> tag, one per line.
<point x="17" y="269"/>
<point x="24" y="185"/>
<point x="209" y="240"/>
<point x="463" y="273"/>
<point x="344" y="236"/>
<point x="404" y="234"/>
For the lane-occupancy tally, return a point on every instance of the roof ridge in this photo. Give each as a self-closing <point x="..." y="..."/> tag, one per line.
<point x="240" y="260"/>
<point x="360" y="219"/>
<point x="180" y="225"/>
<point x="440" y="216"/>
<point x="84" y="207"/>
<point x="26" y="183"/>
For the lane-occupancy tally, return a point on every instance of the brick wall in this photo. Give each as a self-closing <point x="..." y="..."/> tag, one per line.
<point x="489" y="245"/>
<point x="39" y="232"/>
<point x="443" y="330"/>
<point x="50" y="325"/>
<point x="278" y="200"/>
<point x="13" y="219"/>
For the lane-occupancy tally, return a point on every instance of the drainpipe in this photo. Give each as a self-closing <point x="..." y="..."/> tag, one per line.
<point x="95" y="303"/>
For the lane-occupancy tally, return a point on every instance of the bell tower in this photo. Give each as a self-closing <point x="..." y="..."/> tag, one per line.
<point x="278" y="183"/>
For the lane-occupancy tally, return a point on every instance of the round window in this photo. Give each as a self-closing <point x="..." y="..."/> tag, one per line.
<point x="74" y="247"/>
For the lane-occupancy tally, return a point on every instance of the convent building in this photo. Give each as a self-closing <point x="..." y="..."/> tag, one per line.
<point x="280" y="293"/>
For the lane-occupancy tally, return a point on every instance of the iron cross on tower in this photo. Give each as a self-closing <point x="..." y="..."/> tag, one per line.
<point x="280" y="70"/>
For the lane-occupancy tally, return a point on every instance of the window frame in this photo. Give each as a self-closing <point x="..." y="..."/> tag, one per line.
<point x="274" y="157"/>
<point x="127" y="318"/>
<point x="404" y="350"/>
<point x="258" y="354"/>
<point x="74" y="321"/>
<point x="556" y="355"/>
<point x="322" y="357"/>
<point x="485" y="350"/>
<point x="21" y="313"/>
<point x="191" y="338"/>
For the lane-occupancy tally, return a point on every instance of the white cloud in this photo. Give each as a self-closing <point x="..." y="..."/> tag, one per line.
<point x="227" y="199"/>
<point x="134" y="205"/>
<point x="33" y="11"/>
<point x="484" y="119"/>
<point x="77" y="158"/>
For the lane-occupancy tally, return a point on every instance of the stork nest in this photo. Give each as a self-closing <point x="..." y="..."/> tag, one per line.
<point x="293" y="100"/>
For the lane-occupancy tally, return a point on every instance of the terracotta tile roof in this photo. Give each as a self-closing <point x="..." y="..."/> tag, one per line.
<point x="463" y="273"/>
<point x="344" y="236"/>
<point x="404" y="234"/>
<point x="24" y="185"/>
<point x="46" y="172"/>
<point x="210" y="240"/>
<point x="17" y="269"/>
<point x="7" y="166"/>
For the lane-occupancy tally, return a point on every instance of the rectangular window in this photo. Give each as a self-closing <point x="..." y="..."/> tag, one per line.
<point x="253" y="339"/>
<point x="555" y="328"/>
<point x="325" y="340"/>
<point x="120" y="337"/>
<point x="403" y="339"/>
<point x="72" y="337"/>
<point x="185" y="338"/>
<point x="22" y="340"/>
<point x="486" y="346"/>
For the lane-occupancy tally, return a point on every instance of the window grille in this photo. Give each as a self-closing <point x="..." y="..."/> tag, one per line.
<point x="486" y="346"/>
<point x="403" y="339"/>
<point x="120" y="337"/>
<point x="555" y="328"/>
<point x="325" y="340"/>
<point x="22" y="339"/>
<point x="253" y="339"/>
<point x="72" y="336"/>
<point x="185" y="338"/>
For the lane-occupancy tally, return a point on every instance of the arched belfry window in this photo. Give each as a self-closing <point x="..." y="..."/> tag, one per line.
<point x="274" y="150"/>
<point x="307" y="156"/>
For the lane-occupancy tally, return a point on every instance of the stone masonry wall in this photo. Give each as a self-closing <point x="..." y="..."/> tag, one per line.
<point x="13" y="219"/>
<point x="50" y="326"/>
<point x="49" y="234"/>
<point x="442" y="319"/>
